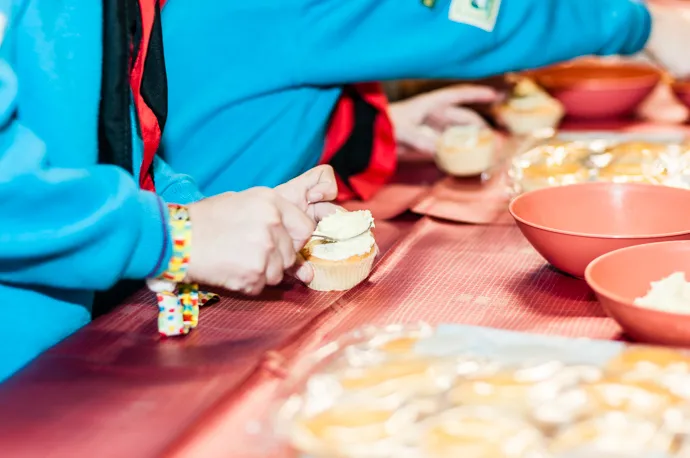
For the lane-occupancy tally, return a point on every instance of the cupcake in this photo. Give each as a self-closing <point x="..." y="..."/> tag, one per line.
<point x="341" y="265"/>
<point x="529" y="109"/>
<point x="466" y="151"/>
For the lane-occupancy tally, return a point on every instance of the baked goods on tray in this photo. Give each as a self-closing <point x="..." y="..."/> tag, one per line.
<point x="556" y="162"/>
<point x="435" y="396"/>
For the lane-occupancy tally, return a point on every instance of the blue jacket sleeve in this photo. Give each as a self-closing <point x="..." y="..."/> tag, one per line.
<point x="173" y="187"/>
<point x="70" y="228"/>
<point x="364" y="40"/>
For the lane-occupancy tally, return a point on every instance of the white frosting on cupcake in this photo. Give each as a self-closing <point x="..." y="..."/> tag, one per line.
<point x="346" y="226"/>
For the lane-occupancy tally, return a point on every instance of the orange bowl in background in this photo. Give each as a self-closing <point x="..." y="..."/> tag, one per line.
<point x="619" y="277"/>
<point x="593" y="89"/>
<point x="570" y="226"/>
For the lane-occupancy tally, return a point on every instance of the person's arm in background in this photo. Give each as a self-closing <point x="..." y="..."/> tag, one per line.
<point x="668" y="41"/>
<point x="364" y="40"/>
<point x="411" y="117"/>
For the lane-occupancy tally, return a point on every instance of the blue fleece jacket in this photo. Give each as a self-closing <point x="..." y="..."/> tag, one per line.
<point x="252" y="84"/>
<point x="69" y="226"/>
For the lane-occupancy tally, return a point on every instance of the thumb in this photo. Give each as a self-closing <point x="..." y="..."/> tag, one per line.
<point x="302" y="271"/>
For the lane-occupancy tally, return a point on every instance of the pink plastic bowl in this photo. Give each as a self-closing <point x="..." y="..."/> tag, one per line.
<point x="570" y="226"/>
<point x="619" y="277"/>
<point x="598" y="89"/>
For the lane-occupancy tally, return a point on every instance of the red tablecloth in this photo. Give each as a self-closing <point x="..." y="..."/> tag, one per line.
<point x="115" y="389"/>
<point x="441" y="272"/>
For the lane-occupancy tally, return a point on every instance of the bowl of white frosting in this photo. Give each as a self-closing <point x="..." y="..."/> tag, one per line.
<point x="646" y="289"/>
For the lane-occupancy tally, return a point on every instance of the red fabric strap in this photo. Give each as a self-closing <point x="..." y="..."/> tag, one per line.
<point x="383" y="157"/>
<point x="150" y="129"/>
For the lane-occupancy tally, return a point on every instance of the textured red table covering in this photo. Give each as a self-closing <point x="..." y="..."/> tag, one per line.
<point x="115" y="390"/>
<point x="441" y="272"/>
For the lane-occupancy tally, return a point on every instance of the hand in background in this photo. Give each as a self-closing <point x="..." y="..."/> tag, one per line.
<point x="414" y="119"/>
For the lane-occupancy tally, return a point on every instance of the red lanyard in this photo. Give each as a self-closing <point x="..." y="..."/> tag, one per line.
<point x="150" y="124"/>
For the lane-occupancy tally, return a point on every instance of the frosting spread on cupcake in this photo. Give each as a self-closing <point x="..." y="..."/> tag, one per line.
<point x="460" y="137"/>
<point x="528" y="96"/>
<point x="345" y="226"/>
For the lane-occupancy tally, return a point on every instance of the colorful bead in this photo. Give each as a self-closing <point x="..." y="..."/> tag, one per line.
<point x="206" y="298"/>
<point x="181" y="233"/>
<point x="170" y="315"/>
<point x="189" y="298"/>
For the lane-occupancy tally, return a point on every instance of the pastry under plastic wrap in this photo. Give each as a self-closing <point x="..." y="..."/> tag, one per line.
<point x="552" y="164"/>
<point x="516" y="390"/>
<point x="399" y="377"/>
<point x="351" y="431"/>
<point x="634" y="162"/>
<point x="613" y="435"/>
<point x="402" y="394"/>
<point x="642" y="398"/>
<point x="643" y="360"/>
<point x="480" y="432"/>
<point x="556" y="162"/>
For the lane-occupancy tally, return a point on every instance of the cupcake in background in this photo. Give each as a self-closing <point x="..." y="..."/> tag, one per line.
<point x="529" y="109"/>
<point x="341" y="265"/>
<point x="466" y="151"/>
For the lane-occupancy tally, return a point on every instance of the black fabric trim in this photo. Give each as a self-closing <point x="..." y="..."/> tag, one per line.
<point x="355" y="155"/>
<point x="154" y="85"/>
<point x="114" y="128"/>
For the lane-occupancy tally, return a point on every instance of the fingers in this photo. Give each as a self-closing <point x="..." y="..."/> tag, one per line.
<point x="462" y="94"/>
<point x="302" y="271"/>
<point x="274" y="268"/>
<point x="285" y="248"/>
<point x="255" y="288"/>
<point x="459" y="116"/>
<point x="420" y="138"/>
<point x="323" y="186"/>
<point x="297" y="223"/>
<point x="316" y="185"/>
<point x="323" y="209"/>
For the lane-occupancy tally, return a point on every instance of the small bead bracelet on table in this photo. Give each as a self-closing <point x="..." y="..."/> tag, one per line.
<point x="178" y="302"/>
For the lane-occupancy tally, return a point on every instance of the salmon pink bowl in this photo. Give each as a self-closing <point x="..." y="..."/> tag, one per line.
<point x="619" y="277"/>
<point x="595" y="90"/>
<point x="572" y="225"/>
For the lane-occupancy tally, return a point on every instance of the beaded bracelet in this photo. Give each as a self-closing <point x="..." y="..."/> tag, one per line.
<point x="178" y="303"/>
<point x="181" y="233"/>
